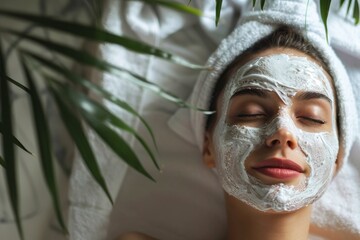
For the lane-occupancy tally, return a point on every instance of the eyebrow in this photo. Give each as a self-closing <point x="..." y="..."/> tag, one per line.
<point x="265" y="94"/>
<point x="252" y="91"/>
<point x="312" y="95"/>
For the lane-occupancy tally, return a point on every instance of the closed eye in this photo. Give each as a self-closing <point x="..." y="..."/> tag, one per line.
<point x="251" y="117"/>
<point x="251" y="120"/>
<point x="314" y="120"/>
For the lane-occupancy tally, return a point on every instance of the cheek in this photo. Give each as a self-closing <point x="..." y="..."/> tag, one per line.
<point x="321" y="150"/>
<point x="235" y="143"/>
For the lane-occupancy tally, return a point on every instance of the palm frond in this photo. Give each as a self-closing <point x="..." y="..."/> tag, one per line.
<point x="324" y="10"/>
<point x="348" y="7"/>
<point x="341" y="3"/>
<point x="72" y="104"/>
<point x="174" y="5"/>
<point x="87" y="59"/>
<point x="15" y="140"/>
<point x="8" y="145"/>
<point x="100" y="119"/>
<point x="75" y="129"/>
<point x="262" y="4"/>
<point x="356" y="12"/>
<point x="43" y="136"/>
<point x="2" y="162"/>
<point x="218" y="11"/>
<point x="96" y="34"/>
<point x="17" y="84"/>
<point x="72" y="77"/>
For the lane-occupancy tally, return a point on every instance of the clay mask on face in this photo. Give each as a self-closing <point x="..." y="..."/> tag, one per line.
<point x="285" y="75"/>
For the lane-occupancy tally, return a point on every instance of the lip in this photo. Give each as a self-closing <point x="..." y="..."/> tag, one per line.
<point x="279" y="168"/>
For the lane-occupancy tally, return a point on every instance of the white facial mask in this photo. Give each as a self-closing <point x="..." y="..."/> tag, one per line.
<point x="285" y="75"/>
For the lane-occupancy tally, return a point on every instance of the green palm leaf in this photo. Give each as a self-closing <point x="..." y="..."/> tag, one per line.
<point x="87" y="59"/>
<point x="341" y="3"/>
<point x="96" y="34"/>
<point x="324" y="9"/>
<point x="218" y="11"/>
<point x="100" y="119"/>
<point x="43" y="137"/>
<point x="15" y="140"/>
<point x="75" y="129"/>
<point x="174" y="5"/>
<point x="8" y="145"/>
<point x="348" y="7"/>
<point x="262" y="4"/>
<point x="17" y="84"/>
<point x="68" y="75"/>
<point x="356" y="12"/>
<point x="2" y="162"/>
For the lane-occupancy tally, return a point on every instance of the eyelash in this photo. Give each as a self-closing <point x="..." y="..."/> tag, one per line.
<point x="318" y="121"/>
<point x="249" y="117"/>
<point x="260" y="115"/>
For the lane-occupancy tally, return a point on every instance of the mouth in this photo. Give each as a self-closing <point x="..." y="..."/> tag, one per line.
<point x="279" y="168"/>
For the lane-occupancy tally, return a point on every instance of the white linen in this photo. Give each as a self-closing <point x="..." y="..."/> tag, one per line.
<point x="187" y="201"/>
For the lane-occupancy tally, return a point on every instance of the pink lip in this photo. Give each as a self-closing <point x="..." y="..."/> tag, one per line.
<point x="279" y="168"/>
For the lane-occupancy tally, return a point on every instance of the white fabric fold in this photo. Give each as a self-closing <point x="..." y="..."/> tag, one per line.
<point x="186" y="194"/>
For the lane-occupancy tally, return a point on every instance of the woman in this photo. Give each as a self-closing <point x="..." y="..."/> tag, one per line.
<point x="282" y="124"/>
<point x="275" y="109"/>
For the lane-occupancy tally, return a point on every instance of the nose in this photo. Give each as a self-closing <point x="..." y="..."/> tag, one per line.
<point x="282" y="138"/>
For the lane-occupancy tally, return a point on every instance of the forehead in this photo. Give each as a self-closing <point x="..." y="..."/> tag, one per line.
<point x="302" y="69"/>
<point x="273" y="51"/>
<point x="282" y="73"/>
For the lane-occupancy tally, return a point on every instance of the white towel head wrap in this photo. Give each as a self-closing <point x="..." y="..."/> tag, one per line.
<point x="253" y="27"/>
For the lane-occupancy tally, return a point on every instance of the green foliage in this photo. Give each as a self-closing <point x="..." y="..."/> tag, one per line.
<point x="262" y="4"/>
<point x="14" y="139"/>
<point x="75" y="129"/>
<point x="218" y="11"/>
<point x="356" y="12"/>
<point x="43" y="136"/>
<point x="2" y="162"/>
<point x="9" y="160"/>
<point x="76" y="109"/>
<point x="324" y="9"/>
<point x="174" y="5"/>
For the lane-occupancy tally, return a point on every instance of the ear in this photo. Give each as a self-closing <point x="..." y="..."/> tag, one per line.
<point x="208" y="154"/>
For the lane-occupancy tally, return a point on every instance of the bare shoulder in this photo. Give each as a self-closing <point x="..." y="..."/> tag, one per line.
<point x="134" y="236"/>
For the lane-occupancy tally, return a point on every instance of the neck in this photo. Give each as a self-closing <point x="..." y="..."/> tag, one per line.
<point x="245" y="222"/>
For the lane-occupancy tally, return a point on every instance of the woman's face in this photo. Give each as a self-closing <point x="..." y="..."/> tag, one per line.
<point x="275" y="140"/>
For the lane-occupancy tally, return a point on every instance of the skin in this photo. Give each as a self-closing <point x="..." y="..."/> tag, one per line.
<point x="134" y="236"/>
<point x="245" y="222"/>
